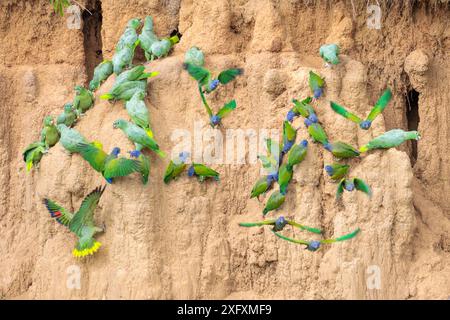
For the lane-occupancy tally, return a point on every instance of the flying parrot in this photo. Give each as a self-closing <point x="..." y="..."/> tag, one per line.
<point x="289" y="136"/>
<point x="194" y="56"/>
<point x="297" y="154"/>
<point x="70" y="138"/>
<point x="83" y="101"/>
<point x="49" y="134"/>
<point x="337" y="171"/>
<point x="68" y="117"/>
<point x="32" y="154"/>
<point x="129" y="36"/>
<point x="262" y="185"/>
<point x="138" y="112"/>
<point x="279" y="224"/>
<point x="202" y="172"/>
<point x="275" y="201"/>
<point x="390" y="139"/>
<point x="176" y="167"/>
<point x="352" y="184"/>
<point x="224" y="111"/>
<point x="139" y="136"/>
<point x="302" y="108"/>
<point x="330" y="53"/>
<point x="126" y="90"/>
<point x="316" y="132"/>
<point x="284" y="177"/>
<point x="376" y="110"/>
<point x="81" y="222"/>
<point x="315" y="244"/>
<point x="341" y="150"/>
<point x="101" y="73"/>
<point x="147" y="38"/>
<point x="316" y="84"/>
<point x="144" y="164"/>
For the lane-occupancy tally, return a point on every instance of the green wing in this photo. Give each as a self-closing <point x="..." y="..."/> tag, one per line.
<point x="340" y="189"/>
<point x="229" y="75"/>
<point x="345" y="113"/>
<point x="342" y="238"/>
<point x="303" y="107"/>
<point x="85" y="215"/>
<point x="58" y="213"/>
<point x="121" y="167"/>
<point x="362" y="186"/>
<point x="202" y="170"/>
<point x="315" y="81"/>
<point x="200" y="74"/>
<point x="273" y="148"/>
<point x="380" y="105"/>
<point x="226" y="109"/>
<point x="289" y="132"/>
<point x="316" y="131"/>
<point x="257" y="224"/>
<point x="169" y="170"/>
<point x="94" y="155"/>
<point x="269" y="163"/>
<point x="290" y="239"/>
<point x="302" y="227"/>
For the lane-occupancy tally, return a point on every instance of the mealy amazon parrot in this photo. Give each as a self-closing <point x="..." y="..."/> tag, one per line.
<point x="341" y="150"/>
<point x="176" y="167"/>
<point x="123" y="58"/>
<point x="224" y="111"/>
<point x="133" y="74"/>
<point x="302" y="108"/>
<point x="330" y="53"/>
<point x="202" y="172"/>
<point x="337" y="171"/>
<point x="101" y="73"/>
<point x="144" y="164"/>
<point x="139" y="136"/>
<point x="32" y="154"/>
<point x="70" y="138"/>
<point x="147" y="37"/>
<point x="316" y="84"/>
<point x="279" y="224"/>
<point x="315" y="244"/>
<point x="275" y="201"/>
<point x="194" y="56"/>
<point x="263" y="185"/>
<point x="161" y="48"/>
<point x="376" y="110"/>
<point x="390" y="139"/>
<point x="68" y="117"/>
<point x="81" y="222"/>
<point x="83" y="101"/>
<point x="129" y="36"/>
<point x="125" y="90"/>
<point x="49" y="134"/>
<point x="316" y="132"/>
<point x="138" y="112"/>
<point x="297" y="154"/>
<point x="289" y="136"/>
<point x="285" y="174"/>
<point x="352" y="184"/>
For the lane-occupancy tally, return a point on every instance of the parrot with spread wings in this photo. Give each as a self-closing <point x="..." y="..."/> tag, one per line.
<point x="279" y="224"/>
<point x="352" y="184"/>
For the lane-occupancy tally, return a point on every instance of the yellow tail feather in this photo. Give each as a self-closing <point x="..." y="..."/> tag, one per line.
<point x="88" y="251"/>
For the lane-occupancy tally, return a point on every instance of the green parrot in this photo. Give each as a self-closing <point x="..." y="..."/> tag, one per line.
<point x="101" y="73"/>
<point x="337" y="171"/>
<point x="262" y="186"/>
<point x="144" y="164"/>
<point x="224" y="111"/>
<point x="49" y="134"/>
<point x="176" y="167"/>
<point x="138" y="112"/>
<point x="341" y="150"/>
<point x="70" y="138"/>
<point x="68" y="117"/>
<point x="162" y="47"/>
<point x="330" y="53"/>
<point x="284" y="177"/>
<point x="275" y="201"/>
<point x="81" y="223"/>
<point x="352" y="184"/>
<point x="32" y="154"/>
<point x="297" y="154"/>
<point x="279" y="224"/>
<point x="289" y="136"/>
<point x="273" y="150"/>
<point x="376" y="110"/>
<point x="123" y="58"/>
<point x="316" y="84"/>
<point x="202" y="172"/>
<point x="147" y="38"/>
<point x="194" y="56"/>
<point x="83" y="101"/>
<point x="125" y="90"/>
<point x="314" y="245"/>
<point x="129" y="36"/>
<point x="316" y="132"/>
<point x="139" y="136"/>
<point x="390" y="139"/>
<point x="133" y="74"/>
<point x="302" y="108"/>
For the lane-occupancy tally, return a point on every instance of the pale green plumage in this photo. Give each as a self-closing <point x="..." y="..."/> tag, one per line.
<point x="101" y="73"/>
<point x="83" y="101"/>
<point x="390" y="139"/>
<point x="49" y="134"/>
<point x="70" y="138"/>
<point x="68" y="117"/>
<point x="330" y="53"/>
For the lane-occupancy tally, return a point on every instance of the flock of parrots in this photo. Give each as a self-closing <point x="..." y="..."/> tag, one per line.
<point x="130" y="86"/>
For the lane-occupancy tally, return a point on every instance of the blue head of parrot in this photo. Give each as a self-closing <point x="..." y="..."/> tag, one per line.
<point x="290" y="116"/>
<point x="318" y="93"/>
<point x="328" y="146"/>
<point x="272" y="177"/>
<point x="280" y="223"/>
<point x="183" y="156"/>
<point x="115" y="151"/>
<point x="307" y="122"/>
<point x="135" y="153"/>
<point x="287" y="146"/>
<point x="215" y="120"/>
<point x="191" y="171"/>
<point x="313" y="118"/>
<point x="349" y="186"/>
<point x="365" y="124"/>
<point x="213" y="85"/>
<point x="313" y="245"/>
<point x="329" y="170"/>
<point x="304" y="143"/>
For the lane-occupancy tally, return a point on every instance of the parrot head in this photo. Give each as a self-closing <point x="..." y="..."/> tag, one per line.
<point x="290" y="116"/>
<point x="349" y="185"/>
<point x="215" y="120"/>
<point x="61" y="127"/>
<point x="287" y="146"/>
<point x="134" y="153"/>
<point x="78" y="89"/>
<point x="213" y="85"/>
<point x="318" y="93"/>
<point x="272" y="177"/>
<point x="48" y="120"/>
<point x="140" y="94"/>
<point x="134" y="23"/>
<point x="304" y="143"/>
<point x="328" y="146"/>
<point x="68" y="107"/>
<point x="183" y="156"/>
<point x="280" y="223"/>
<point x="365" y="124"/>
<point x="307" y="122"/>
<point x="329" y="170"/>
<point x="119" y="124"/>
<point x="115" y="151"/>
<point x="191" y="171"/>
<point x="313" y="245"/>
<point x="418" y="136"/>
<point x="313" y="118"/>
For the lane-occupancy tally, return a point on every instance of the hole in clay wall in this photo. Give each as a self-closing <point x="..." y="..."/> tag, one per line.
<point x="412" y="115"/>
<point x="92" y="28"/>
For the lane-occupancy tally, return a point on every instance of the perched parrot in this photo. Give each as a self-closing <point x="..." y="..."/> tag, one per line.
<point x="330" y="53"/>
<point x="147" y="38"/>
<point x="390" y="139"/>
<point x="49" y="134"/>
<point x="123" y="58"/>
<point x="352" y="184"/>
<point x="297" y="154"/>
<point x="144" y="164"/>
<point x="176" y="167"/>
<point x="32" y="154"/>
<point x="70" y="138"/>
<point x="316" y="84"/>
<point x="341" y="150"/>
<point x="271" y="162"/>
<point x="376" y="110"/>
<point x="337" y="171"/>
<point x="129" y="36"/>
<point x="289" y="136"/>
<point x="315" y="244"/>
<point x="68" y="117"/>
<point x="81" y="223"/>
<point x="275" y="201"/>
<point x="279" y="224"/>
<point x="284" y="177"/>
<point x="126" y="90"/>
<point x="262" y="185"/>
<point x="224" y="111"/>
<point x="101" y="73"/>
<point x="316" y="132"/>
<point x="162" y="47"/>
<point x="194" y="56"/>
<point x="133" y="74"/>
<point x="139" y="136"/>
<point x="302" y="108"/>
<point x="110" y="166"/>
<point x="202" y="172"/>
<point x="205" y="80"/>
<point x="273" y="149"/>
<point x="138" y="112"/>
<point x="83" y="101"/>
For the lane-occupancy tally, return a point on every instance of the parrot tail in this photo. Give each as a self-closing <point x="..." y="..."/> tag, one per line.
<point x="174" y="40"/>
<point x="160" y="153"/>
<point x="107" y="96"/>
<point x="29" y="165"/>
<point x="363" y="149"/>
<point x="87" y="251"/>
<point x="149" y="132"/>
